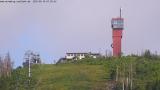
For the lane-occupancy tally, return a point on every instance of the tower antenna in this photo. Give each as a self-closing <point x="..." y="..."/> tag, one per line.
<point x="120" y="12"/>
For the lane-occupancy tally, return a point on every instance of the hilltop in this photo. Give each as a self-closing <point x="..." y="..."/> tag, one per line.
<point x="138" y="73"/>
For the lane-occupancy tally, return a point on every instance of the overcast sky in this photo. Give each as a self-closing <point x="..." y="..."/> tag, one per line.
<point x="53" y="29"/>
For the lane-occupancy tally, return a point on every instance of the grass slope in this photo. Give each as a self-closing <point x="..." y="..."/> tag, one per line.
<point x="69" y="77"/>
<point x="88" y="74"/>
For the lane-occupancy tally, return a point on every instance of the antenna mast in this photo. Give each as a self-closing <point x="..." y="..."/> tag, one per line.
<point x="120" y="12"/>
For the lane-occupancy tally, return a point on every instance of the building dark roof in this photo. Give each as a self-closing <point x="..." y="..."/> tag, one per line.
<point x="76" y="53"/>
<point x="96" y="54"/>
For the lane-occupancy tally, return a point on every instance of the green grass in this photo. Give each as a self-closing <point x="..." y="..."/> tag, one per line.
<point x="69" y="77"/>
<point x="88" y="74"/>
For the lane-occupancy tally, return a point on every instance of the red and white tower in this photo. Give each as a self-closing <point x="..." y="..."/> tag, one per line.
<point x="117" y="27"/>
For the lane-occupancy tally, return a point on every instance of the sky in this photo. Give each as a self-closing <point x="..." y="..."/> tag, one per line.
<point x="52" y="29"/>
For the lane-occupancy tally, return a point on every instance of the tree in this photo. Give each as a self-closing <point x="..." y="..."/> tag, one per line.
<point x="6" y="66"/>
<point x="147" y="54"/>
<point x="1" y="66"/>
<point x="33" y="57"/>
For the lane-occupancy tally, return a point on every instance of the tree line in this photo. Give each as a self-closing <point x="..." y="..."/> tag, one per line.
<point x="6" y="65"/>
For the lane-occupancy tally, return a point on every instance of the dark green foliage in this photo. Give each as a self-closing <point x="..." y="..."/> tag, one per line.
<point x="145" y="70"/>
<point x="118" y="86"/>
<point x="17" y="81"/>
<point x="149" y="55"/>
<point x="153" y="85"/>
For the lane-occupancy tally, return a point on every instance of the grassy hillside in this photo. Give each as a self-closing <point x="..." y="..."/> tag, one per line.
<point x="69" y="77"/>
<point x="89" y="74"/>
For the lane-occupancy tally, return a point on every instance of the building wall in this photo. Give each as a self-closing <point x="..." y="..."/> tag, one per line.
<point x="77" y="55"/>
<point x="117" y="36"/>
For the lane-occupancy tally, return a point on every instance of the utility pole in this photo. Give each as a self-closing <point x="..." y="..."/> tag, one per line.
<point x="29" y="68"/>
<point x="28" y="57"/>
<point x="31" y="54"/>
<point x="29" y="72"/>
<point x="117" y="74"/>
<point x="123" y="85"/>
<point x="124" y="76"/>
<point x="131" y="77"/>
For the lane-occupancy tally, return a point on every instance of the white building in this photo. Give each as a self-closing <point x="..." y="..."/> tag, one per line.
<point x="77" y="56"/>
